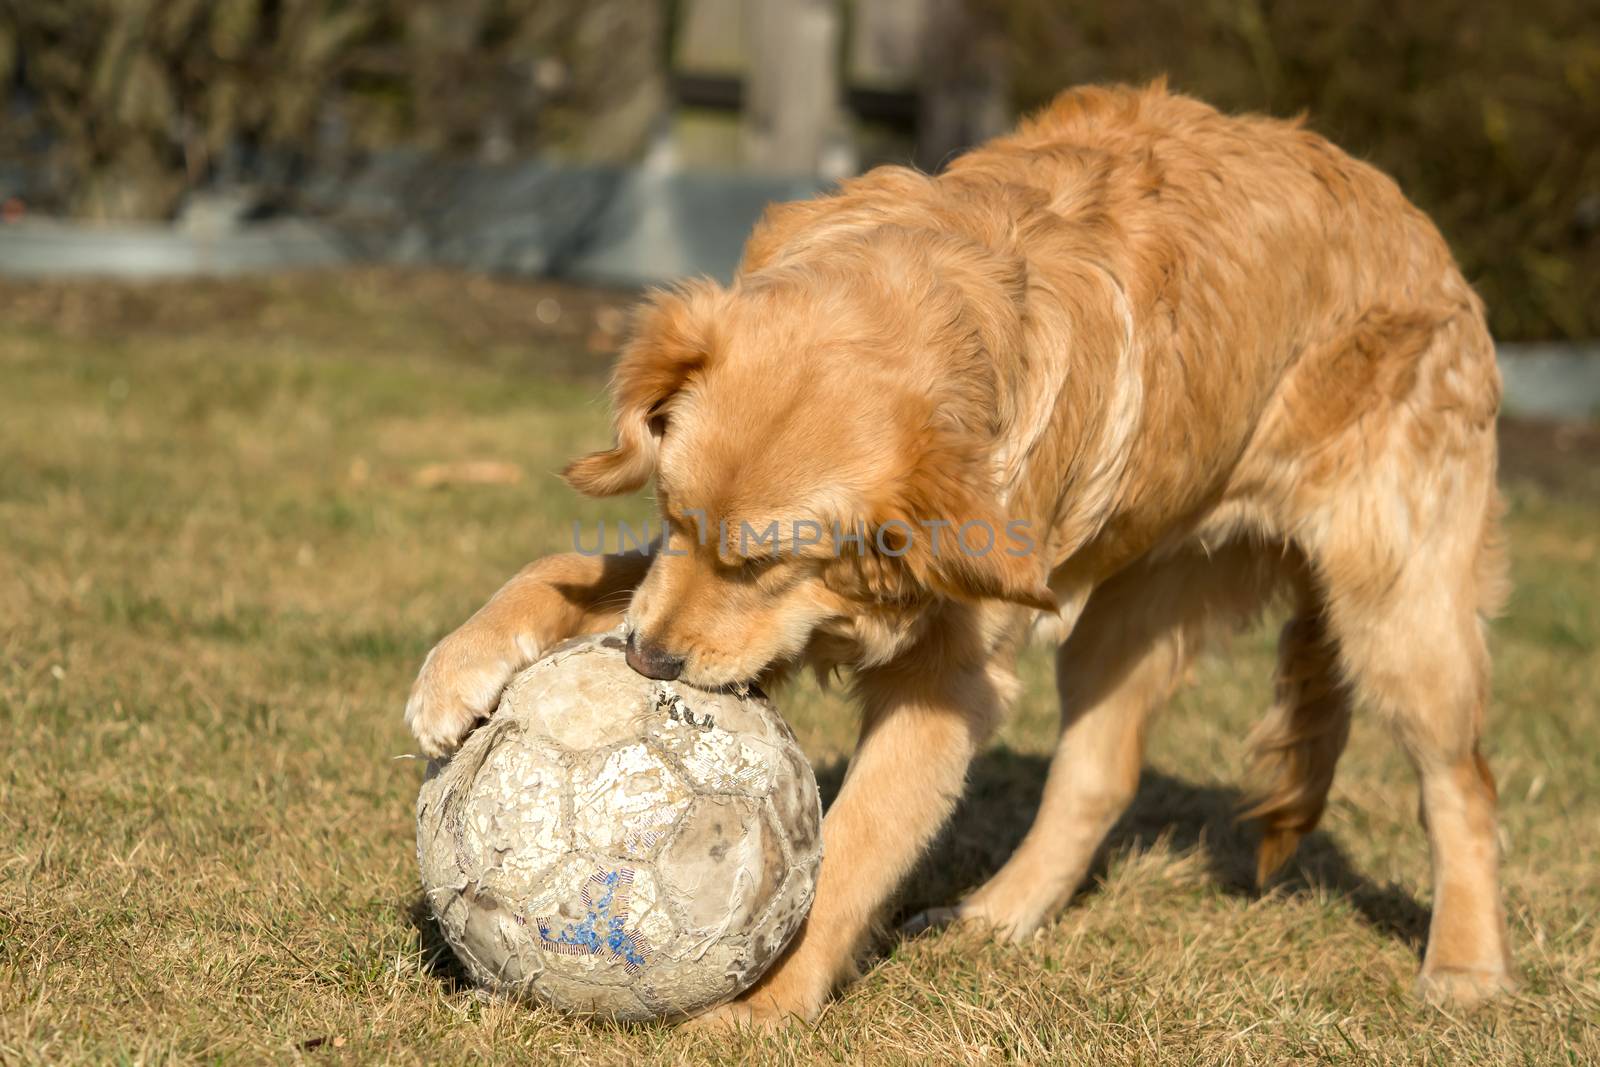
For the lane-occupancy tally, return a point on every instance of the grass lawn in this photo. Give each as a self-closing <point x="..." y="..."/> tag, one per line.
<point x="223" y="556"/>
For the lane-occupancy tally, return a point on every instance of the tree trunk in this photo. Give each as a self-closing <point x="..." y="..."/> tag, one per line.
<point x="793" y="119"/>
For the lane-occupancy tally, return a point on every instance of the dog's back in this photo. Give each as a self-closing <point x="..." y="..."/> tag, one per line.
<point x="1266" y="289"/>
<point x="1288" y="287"/>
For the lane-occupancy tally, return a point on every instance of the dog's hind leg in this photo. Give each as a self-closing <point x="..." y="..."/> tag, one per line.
<point x="1298" y="744"/>
<point x="1125" y="656"/>
<point x="1411" y="565"/>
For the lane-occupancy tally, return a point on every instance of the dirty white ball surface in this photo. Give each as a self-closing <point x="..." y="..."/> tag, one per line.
<point x="618" y="846"/>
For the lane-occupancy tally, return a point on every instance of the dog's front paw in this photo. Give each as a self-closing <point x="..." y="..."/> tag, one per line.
<point x="790" y="994"/>
<point x="1462" y="987"/>
<point x="748" y="1013"/>
<point x="458" y="687"/>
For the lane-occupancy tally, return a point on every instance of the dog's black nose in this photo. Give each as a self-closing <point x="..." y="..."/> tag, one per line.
<point x="651" y="660"/>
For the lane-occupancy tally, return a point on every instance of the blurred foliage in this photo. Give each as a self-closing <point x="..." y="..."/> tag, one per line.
<point x="136" y="101"/>
<point x="1488" y="114"/>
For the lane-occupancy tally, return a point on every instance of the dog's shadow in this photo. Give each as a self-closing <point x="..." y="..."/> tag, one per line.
<point x="1003" y="791"/>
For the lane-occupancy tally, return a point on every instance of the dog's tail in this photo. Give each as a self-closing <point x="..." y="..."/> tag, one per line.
<point x="1295" y="748"/>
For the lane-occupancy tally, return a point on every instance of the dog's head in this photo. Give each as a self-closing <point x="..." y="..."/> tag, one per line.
<point x="818" y="471"/>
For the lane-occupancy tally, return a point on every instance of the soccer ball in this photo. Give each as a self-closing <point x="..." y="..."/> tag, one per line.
<point x="617" y="846"/>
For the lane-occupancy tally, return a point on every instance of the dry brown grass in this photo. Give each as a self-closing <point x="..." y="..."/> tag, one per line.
<point x="218" y="575"/>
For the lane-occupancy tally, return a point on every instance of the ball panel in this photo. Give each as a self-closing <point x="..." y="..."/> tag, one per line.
<point x="787" y="909"/>
<point x="722" y="866"/>
<point x="796" y="804"/>
<point x="596" y="921"/>
<point x="510" y="815"/>
<point x="581" y="696"/>
<point x="722" y="742"/>
<point x="625" y="802"/>
<point x="581" y="998"/>
<point x="436" y="845"/>
<point x="699" y="980"/>
<point x="493" y="938"/>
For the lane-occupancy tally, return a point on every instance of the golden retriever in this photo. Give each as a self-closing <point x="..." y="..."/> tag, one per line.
<point x="1145" y="367"/>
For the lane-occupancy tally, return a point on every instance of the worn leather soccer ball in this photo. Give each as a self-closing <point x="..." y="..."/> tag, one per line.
<point x="618" y="846"/>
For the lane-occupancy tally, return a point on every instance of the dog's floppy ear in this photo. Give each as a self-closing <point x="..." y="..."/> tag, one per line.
<point x="956" y="541"/>
<point x="671" y="341"/>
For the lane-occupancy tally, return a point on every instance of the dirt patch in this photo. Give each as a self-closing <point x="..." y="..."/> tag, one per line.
<point x="564" y="329"/>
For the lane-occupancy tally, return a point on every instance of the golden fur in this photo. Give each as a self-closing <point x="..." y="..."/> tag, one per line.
<point x="1208" y="361"/>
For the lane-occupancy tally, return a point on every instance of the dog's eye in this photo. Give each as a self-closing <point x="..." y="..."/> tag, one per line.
<point x="755" y="566"/>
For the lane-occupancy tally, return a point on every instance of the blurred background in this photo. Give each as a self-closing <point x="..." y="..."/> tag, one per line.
<point x="626" y="141"/>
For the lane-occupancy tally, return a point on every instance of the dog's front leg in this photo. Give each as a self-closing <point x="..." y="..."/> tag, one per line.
<point x="549" y="601"/>
<point x="921" y="726"/>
